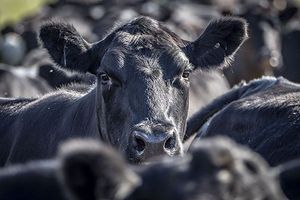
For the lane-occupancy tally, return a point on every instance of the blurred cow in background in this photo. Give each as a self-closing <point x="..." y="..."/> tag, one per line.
<point x="261" y="54"/>
<point x="213" y="169"/>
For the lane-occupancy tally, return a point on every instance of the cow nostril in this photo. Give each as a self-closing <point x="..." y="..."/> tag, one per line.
<point x="170" y="144"/>
<point x="139" y="145"/>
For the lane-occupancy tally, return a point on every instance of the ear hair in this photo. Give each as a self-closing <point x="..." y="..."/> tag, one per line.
<point x="66" y="46"/>
<point x="218" y="43"/>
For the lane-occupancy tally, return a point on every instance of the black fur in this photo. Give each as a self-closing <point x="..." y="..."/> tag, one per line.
<point x="92" y="171"/>
<point x="263" y="115"/>
<point x="215" y="169"/>
<point x="34" y="181"/>
<point x="289" y="178"/>
<point x="217" y="45"/>
<point x="238" y="92"/>
<point x="65" y="45"/>
<point x="84" y="170"/>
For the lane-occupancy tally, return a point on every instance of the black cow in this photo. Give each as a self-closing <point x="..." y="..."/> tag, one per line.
<point x="214" y="169"/>
<point x="261" y="53"/>
<point x="36" y="180"/>
<point x="139" y="103"/>
<point x="50" y="179"/>
<point x="263" y="114"/>
<point x="84" y="170"/>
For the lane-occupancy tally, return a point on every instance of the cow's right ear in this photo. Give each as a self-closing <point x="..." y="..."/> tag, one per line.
<point x="218" y="43"/>
<point x="67" y="48"/>
<point x="94" y="171"/>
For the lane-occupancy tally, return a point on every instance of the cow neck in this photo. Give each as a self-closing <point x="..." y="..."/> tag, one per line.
<point x="96" y="115"/>
<point x="86" y="113"/>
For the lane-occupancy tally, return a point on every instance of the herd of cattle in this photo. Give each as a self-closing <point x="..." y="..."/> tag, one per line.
<point x="149" y="114"/>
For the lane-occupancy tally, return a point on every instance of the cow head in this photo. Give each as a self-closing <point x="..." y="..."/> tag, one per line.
<point x="260" y="55"/>
<point x="91" y="170"/>
<point x="142" y="71"/>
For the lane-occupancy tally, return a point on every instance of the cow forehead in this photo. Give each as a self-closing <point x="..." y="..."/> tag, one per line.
<point x="146" y="59"/>
<point x="143" y="42"/>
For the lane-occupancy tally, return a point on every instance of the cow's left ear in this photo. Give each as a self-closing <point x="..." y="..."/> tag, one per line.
<point x="218" y="43"/>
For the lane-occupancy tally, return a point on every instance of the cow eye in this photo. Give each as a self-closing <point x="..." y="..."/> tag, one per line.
<point x="104" y="78"/>
<point x="186" y="74"/>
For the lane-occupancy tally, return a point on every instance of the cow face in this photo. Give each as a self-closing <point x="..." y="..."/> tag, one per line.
<point x="143" y="72"/>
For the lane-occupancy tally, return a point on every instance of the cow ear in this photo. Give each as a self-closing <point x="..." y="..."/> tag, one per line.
<point x="218" y="43"/>
<point x="67" y="48"/>
<point x="90" y="170"/>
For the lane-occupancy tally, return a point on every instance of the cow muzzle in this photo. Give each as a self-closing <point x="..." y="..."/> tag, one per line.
<point x="144" y="146"/>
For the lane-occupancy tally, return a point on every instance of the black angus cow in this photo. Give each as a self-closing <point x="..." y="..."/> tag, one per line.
<point x="215" y="168"/>
<point x="86" y="170"/>
<point x="263" y="114"/>
<point x="139" y="103"/>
